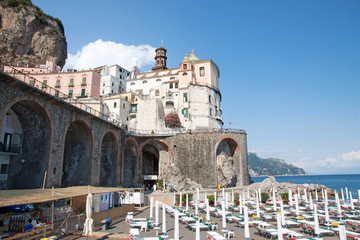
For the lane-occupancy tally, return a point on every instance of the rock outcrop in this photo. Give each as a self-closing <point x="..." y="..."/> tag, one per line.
<point x="269" y="183"/>
<point x="28" y="36"/>
<point x="181" y="183"/>
<point x="226" y="171"/>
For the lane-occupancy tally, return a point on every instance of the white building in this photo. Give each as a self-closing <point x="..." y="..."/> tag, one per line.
<point x="192" y="91"/>
<point x="113" y="79"/>
<point x="119" y="109"/>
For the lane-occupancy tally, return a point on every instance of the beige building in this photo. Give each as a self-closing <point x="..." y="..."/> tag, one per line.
<point x="192" y="91"/>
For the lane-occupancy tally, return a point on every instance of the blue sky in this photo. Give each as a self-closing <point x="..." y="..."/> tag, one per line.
<point x="290" y="69"/>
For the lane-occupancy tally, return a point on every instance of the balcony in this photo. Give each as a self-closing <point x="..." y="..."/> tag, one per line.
<point x="71" y="84"/>
<point x="10" y="148"/>
<point x="83" y="84"/>
<point x="57" y="85"/>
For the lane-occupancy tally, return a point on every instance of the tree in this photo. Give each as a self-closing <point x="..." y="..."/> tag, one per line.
<point x="172" y="120"/>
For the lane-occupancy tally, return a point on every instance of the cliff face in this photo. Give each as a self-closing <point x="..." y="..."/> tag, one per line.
<point x="271" y="166"/>
<point x="29" y="36"/>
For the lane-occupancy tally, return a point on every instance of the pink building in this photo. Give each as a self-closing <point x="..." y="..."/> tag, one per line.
<point x="49" y="67"/>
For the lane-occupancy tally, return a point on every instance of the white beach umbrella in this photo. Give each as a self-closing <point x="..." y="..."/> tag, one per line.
<point x="157" y="213"/>
<point x="305" y="195"/>
<point x="164" y="218"/>
<point x="338" y="204"/>
<point x="227" y="201"/>
<point x="327" y="218"/>
<point x="359" y="195"/>
<point x="257" y="207"/>
<point x="244" y="199"/>
<point x="246" y="224"/>
<point x="89" y="223"/>
<point x="279" y="228"/>
<point x="180" y="200"/>
<point x="283" y="223"/>
<point x="207" y="210"/>
<point x="322" y="193"/>
<point x="151" y="207"/>
<point x="347" y="193"/>
<point x="316" y="195"/>
<point x="197" y="236"/>
<point x="197" y="195"/>
<point x="205" y="196"/>
<point x="297" y="205"/>
<point x="232" y="195"/>
<point x="240" y="205"/>
<point x="290" y="198"/>
<point x="342" y="195"/>
<point x="187" y="202"/>
<point x="196" y="208"/>
<point x="311" y="202"/>
<point x="223" y="214"/>
<point x="176" y="228"/>
<point x="351" y="202"/>
<point x="274" y="200"/>
<point x="248" y="194"/>
<point x="215" y="203"/>
<point x="174" y="199"/>
<point x="316" y="221"/>
<point x="223" y="194"/>
<point x="259" y="195"/>
<point x="342" y="232"/>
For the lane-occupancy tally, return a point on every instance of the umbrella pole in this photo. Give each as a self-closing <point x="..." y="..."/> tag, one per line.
<point x="52" y="210"/>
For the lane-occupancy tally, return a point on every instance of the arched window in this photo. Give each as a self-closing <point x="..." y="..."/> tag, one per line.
<point x="144" y="81"/>
<point x="158" y="80"/>
<point x="172" y="78"/>
<point x="157" y="92"/>
<point x="184" y="74"/>
<point x="169" y="104"/>
<point x="158" y="61"/>
<point x="202" y="71"/>
<point x="185" y="66"/>
<point x="132" y="83"/>
<point x="176" y="85"/>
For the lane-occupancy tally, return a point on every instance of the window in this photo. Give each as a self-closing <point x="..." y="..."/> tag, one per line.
<point x="144" y="81"/>
<point x="171" y="85"/>
<point x="184" y="74"/>
<point x="185" y="66"/>
<point x="209" y="98"/>
<point x="83" y="82"/>
<point x="176" y="85"/>
<point x="162" y="61"/>
<point x="57" y="84"/>
<point x="132" y="83"/>
<point x="32" y="82"/>
<point x="71" y="82"/>
<point x="83" y="92"/>
<point x="103" y="84"/>
<point x="70" y="93"/>
<point x="185" y="97"/>
<point x="158" y="61"/>
<point x="114" y="104"/>
<point x="123" y="105"/>
<point x="202" y="71"/>
<point x="169" y="104"/>
<point x="157" y="92"/>
<point x="4" y="168"/>
<point x="56" y="93"/>
<point x="172" y="78"/>
<point x="126" y="98"/>
<point x="120" y="70"/>
<point x="158" y="80"/>
<point x="210" y="111"/>
<point x="103" y="92"/>
<point x="216" y="112"/>
<point x="112" y="84"/>
<point x="44" y="84"/>
<point x="112" y="91"/>
<point x="185" y="112"/>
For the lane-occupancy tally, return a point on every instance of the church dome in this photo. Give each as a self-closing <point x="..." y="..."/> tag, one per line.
<point x="193" y="57"/>
<point x="186" y="59"/>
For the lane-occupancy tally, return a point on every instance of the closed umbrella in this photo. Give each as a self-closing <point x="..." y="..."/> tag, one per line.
<point x="351" y="202"/>
<point x="359" y="195"/>
<point x="151" y="207"/>
<point x="311" y="202"/>
<point x="305" y="195"/>
<point x="180" y="200"/>
<point x="226" y="201"/>
<point x="196" y="208"/>
<point x="316" y="221"/>
<point x="89" y="223"/>
<point x="327" y="218"/>
<point x="223" y="215"/>
<point x="322" y="193"/>
<point x="197" y="195"/>
<point x="174" y="199"/>
<point x="207" y="210"/>
<point x="187" y="202"/>
<point x="342" y="195"/>
<point x="257" y="207"/>
<point x="274" y="200"/>
<point x="197" y="236"/>
<point x="338" y="203"/>
<point x="223" y="194"/>
<point x="232" y="195"/>
<point x="157" y="213"/>
<point x="215" y="199"/>
<point x="240" y="205"/>
<point x="297" y="205"/>
<point x="248" y="194"/>
<point x="246" y="224"/>
<point x="283" y="223"/>
<point x="316" y="196"/>
<point x="290" y="198"/>
<point x="164" y="218"/>
<point x="205" y="196"/>
<point x="342" y="232"/>
<point x="176" y="228"/>
<point x="347" y="193"/>
<point x="279" y="228"/>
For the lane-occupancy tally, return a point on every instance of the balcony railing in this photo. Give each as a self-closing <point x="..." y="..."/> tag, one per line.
<point x="10" y="148"/>
<point x="31" y="81"/>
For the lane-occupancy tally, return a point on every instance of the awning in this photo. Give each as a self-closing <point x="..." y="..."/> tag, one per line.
<point x="25" y="196"/>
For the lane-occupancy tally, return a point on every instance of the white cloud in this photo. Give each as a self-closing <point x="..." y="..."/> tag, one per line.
<point x="101" y="52"/>
<point x="345" y="160"/>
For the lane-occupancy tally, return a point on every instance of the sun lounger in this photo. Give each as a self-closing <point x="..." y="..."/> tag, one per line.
<point x="215" y="236"/>
<point x="192" y="226"/>
<point x="187" y="220"/>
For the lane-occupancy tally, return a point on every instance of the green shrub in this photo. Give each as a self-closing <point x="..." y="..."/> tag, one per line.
<point x="160" y="183"/>
<point x="211" y="199"/>
<point x="285" y="196"/>
<point x="264" y="196"/>
<point x="236" y="197"/>
<point x="12" y="3"/>
<point x="183" y="196"/>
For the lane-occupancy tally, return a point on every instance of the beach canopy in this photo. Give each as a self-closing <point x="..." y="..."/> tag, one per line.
<point x="25" y="196"/>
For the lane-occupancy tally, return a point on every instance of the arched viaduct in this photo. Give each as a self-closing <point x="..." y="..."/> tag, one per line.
<point x="62" y="145"/>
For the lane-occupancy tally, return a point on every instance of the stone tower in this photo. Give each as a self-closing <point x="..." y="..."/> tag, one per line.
<point x="160" y="59"/>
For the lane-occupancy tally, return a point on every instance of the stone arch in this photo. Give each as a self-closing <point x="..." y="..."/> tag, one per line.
<point x="228" y="161"/>
<point x="109" y="159"/>
<point x="156" y="155"/>
<point x="130" y="163"/>
<point x="25" y="123"/>
<point x="78" y="154"/>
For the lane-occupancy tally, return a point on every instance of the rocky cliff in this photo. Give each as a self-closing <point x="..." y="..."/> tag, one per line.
<point x="28" y="36"/>
<point x="271" y="166"/>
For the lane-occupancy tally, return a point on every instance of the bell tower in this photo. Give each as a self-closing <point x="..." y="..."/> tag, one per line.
<point x="160" y="59"/>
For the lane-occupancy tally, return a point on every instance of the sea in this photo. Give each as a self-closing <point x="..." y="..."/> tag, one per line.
<point x="351" y="181"/>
